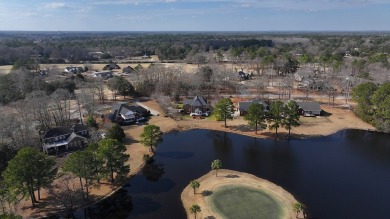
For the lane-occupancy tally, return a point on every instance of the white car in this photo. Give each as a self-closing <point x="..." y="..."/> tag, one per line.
<point x="195" y="114"/>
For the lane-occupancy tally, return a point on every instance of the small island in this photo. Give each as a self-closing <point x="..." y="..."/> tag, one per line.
<point x="214" y="197"/>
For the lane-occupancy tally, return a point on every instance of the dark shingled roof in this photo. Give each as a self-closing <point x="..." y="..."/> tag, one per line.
<point x="244" y="106"/>
<point x="123" y="108"/>
<point x="74" y="136"/>
<point x="309" y="106"/>
<point x="196" y="101"/>
<point x="127" y="69"/>
<point x="64" y="130"/>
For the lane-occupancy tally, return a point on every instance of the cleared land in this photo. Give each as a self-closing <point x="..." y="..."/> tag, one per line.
<point x="234" y="194"/>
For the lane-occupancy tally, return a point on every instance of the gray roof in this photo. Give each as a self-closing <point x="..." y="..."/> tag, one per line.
<point x="244" y="106"/>
<point x="74" y="136"/>
<point x="123" y="108"/>
<point x="64" y="130"/>
<point x="128" y="69"/>
<point x="196" y="101"/>
<point x="102" y="73"/>
<point x="309" y="106"/>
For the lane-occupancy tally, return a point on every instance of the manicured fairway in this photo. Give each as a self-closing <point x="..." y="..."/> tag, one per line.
<point x="244" y="202"/>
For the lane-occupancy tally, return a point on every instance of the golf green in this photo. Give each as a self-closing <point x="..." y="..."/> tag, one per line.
<point x="244" y="202"/>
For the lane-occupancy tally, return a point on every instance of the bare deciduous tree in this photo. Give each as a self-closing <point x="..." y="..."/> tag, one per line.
<point x="97" y="87"/>
<point x="60" y="107"/>
<point x="37" y="105"/>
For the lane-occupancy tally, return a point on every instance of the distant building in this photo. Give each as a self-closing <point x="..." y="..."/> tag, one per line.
<point x="103" y="74"/>
<point x="111" y="66"/>
<point x="74" y="70"/>
<point x="146" y="56"/>
<point x="127" y="70"/>
<point x="96" y="55"/>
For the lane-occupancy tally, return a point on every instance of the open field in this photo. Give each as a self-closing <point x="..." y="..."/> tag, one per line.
<point x="5" y="69"/>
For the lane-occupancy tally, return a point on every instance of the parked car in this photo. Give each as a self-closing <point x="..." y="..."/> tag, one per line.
<point x="195" y="114"/>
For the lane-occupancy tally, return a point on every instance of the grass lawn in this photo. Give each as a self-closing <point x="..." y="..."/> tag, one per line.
<point x="244" y="202"/>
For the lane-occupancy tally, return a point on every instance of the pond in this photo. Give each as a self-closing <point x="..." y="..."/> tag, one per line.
<point x="344" y="175"/>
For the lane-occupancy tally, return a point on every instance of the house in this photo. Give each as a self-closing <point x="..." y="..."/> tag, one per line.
<point x="111" y="66"/>
<point x="127" y="70"/>
<point x="242" y="107"/>
<point x="196" y="105"/>
<point x="309" y="108"/>
<point x="103" y="74"/>
<point x="243" y="76"/>
<point x="96" y="55"/>
<point x="65" y="137"/>
<point x="74" y="70"/>
<point x="145" y="56"/>
<point x="123" y="113"/>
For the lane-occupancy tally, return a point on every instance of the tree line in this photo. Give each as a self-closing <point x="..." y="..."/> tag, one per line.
<point x="76" y="47"/>
<point x="373" y="104"/>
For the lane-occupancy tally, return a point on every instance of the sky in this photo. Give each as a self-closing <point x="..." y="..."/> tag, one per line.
<point x="195" y="15"/>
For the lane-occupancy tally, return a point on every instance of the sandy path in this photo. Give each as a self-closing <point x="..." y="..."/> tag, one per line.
<point x="210" y="182"/>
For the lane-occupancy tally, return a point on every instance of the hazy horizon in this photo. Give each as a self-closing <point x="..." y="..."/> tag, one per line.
<point x="196" y="15"/>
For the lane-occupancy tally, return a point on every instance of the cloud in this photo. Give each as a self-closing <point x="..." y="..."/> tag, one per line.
<point x="135" y="18"/>
<point x="245" y="5"/>
<point x="304" y="5"/>
<point x="84" y="10"/>
<point x="55" y="5"/>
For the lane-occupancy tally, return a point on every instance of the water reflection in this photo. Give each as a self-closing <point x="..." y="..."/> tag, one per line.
<point x="144" y="205"/>
<point x="221" y="142"/>
<point x="378" y="149"/>
<point x="119" y="205"/>
<point x="153" y="171"/>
